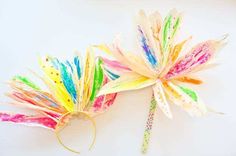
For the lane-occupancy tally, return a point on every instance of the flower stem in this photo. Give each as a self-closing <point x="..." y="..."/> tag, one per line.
<point x="147" y="132"/>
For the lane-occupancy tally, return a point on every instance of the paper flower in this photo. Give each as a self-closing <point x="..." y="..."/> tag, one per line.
<point x="72" y="89"/>
<point x="160" y="66"/>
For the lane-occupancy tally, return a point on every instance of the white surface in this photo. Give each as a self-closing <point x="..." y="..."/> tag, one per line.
<point x="32" y="28"/>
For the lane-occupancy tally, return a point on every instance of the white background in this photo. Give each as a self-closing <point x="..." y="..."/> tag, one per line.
<point x="32" y="28"/>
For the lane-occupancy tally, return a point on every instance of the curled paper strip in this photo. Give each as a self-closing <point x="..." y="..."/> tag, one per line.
<point x="72" y="92"/>
<point x="160" y="65"/>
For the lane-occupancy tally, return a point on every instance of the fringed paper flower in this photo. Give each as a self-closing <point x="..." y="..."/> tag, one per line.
<point x="160" y="66"/>
<point x="72" y="89"/>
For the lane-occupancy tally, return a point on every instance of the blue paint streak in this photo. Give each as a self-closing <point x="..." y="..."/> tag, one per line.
<point x="148" y="51"/>
<point x="53" y="104"/>
<point x="113" y="76"/>
<point x="55" y="63"/>
<point x="68" y="64"/>
<point x="68" y="80"/>
<point x="77" y="64"/>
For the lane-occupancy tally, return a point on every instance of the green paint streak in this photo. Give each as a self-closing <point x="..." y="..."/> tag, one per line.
<point x="190" y="93"/>
<point x="98" y="79"/>
<point x="176" y="26"/>
<point x="166" y="32"/>
<point x="26" y="81"/>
